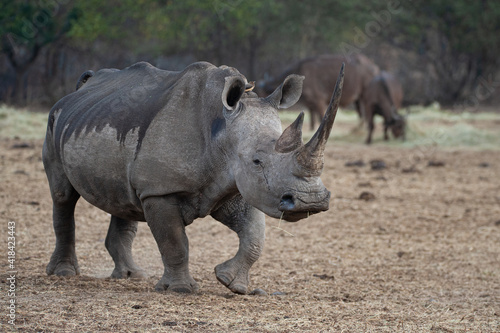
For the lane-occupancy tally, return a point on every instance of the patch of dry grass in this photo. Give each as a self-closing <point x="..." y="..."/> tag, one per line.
<point x="422" y="256"/>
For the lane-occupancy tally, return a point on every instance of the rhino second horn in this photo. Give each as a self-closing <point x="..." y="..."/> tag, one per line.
<point x="291" y="139"/>
<point x="311" y="155"/>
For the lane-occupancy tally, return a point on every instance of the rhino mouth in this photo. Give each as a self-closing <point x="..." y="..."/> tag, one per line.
<point x="295" y="208"/>
<point x="297" y="216"/>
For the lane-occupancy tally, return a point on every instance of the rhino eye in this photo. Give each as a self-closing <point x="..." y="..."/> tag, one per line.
<point x="257" y="161"/>
<point x="256" y="158"/>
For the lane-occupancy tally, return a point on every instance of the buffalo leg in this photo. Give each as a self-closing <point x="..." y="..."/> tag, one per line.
<point x="121" y="234"/>
<point x="249" y="224"/>
<point x="371" y="126"/>
<point x="360" y="109"/>
<point x="63" y="261"/>
<point x="165" y="221"/>
<point x="316" y="110"/>
<point x="386" y="127"/>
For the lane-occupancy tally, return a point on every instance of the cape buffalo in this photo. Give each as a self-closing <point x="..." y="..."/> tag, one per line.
<point x="145" y="144"/>
<point x="383" y="96"/>
<point x="320" y="75"/>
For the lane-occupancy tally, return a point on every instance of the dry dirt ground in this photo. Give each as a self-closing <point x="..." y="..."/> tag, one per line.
<point x="421" y="253"/>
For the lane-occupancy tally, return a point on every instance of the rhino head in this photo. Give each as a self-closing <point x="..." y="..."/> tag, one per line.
<point x="275" y="171"/>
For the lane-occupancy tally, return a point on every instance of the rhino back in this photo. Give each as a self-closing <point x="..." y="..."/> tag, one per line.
<point x="135" y="131"/>
<point x="125" y="100"/>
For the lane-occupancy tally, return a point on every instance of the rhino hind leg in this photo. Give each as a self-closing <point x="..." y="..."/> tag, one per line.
<point x="121" y="234"/>
<point x="249" y="224"/>
<point x="167" y="226"/>
<point x="63" y="261"/>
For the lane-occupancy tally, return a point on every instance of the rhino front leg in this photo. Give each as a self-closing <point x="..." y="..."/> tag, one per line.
<point x="165" y="221"/>
<point x="249" y="224"/>
<point x="121" y="234"/>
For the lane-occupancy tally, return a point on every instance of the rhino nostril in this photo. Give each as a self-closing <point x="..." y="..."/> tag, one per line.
<point x="287" y="202"/>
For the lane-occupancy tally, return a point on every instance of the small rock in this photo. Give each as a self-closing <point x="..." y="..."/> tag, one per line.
<point x="258" y="292"/>
<point x="278" y="293"/>
<point x="367" y="196"/>
<point x="169" y="323"/>
<point x="324" y="276"/>
<point x="484" y="165"/>
<point x="411" y="169"/>
<point x="377" y="165"/>
<point x="137" y="306"/>
<point x="22" y="145"/>
<point x="433" y="163"/>
<point x="497" y="223"/>
<point x="357" y="163"/>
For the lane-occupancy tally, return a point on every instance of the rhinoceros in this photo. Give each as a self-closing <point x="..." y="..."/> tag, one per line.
<point x="146" y="144"/>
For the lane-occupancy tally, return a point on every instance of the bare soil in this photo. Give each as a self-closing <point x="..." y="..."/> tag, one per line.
<point x="419" y="253"/>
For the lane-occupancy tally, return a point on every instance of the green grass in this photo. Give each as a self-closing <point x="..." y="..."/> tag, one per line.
<point x="426" y="126"/>
<point x="23" y="124"/>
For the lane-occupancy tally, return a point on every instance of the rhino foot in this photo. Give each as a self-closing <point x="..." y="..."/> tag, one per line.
<point x="128" y="274"/>
<point x="235" y="280"/>
<point x="62" y="268"/>
<point x="186" y="287"/>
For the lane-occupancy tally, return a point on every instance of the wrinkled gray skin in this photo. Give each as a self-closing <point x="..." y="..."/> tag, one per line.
<point x="164" y="147"/>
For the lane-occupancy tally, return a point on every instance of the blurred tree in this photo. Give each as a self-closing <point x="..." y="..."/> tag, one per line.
<point x="25" y="28"/>
<point x="221" y="31"/>
<point x="459" y="37"/>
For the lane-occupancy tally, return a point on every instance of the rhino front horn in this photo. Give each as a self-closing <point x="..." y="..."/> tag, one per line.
<point x="311" y="155"/>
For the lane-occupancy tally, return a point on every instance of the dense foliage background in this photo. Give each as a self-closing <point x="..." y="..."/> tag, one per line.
<point x="442" y="50"/>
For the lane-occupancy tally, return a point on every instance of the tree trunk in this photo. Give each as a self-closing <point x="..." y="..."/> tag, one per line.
<point x="21" y="67"/>
<point x="19" y="93"/>
<point x="254" y="44"/>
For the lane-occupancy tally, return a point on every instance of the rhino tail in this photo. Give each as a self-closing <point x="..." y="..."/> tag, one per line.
<point x="84" y="78"/>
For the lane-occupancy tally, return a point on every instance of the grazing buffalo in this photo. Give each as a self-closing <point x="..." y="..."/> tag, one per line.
<point x="320" y="76"/>
<point x="145" y="144"/>
<point x="383" y="96"/>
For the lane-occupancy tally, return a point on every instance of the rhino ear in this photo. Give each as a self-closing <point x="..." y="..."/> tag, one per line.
<point x="233" y="90"/>
<point x="288" y="93"/>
